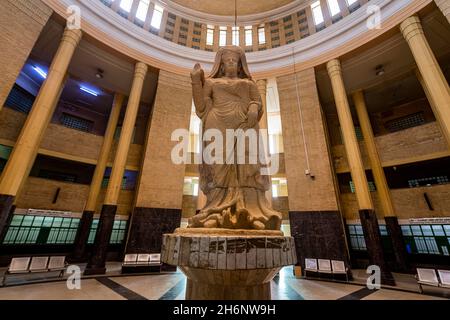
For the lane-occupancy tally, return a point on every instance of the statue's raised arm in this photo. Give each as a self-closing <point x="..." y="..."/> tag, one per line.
<point x="200" y="90"/>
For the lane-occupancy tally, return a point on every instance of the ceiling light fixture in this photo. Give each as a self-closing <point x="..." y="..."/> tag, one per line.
<point x="90" y="91"/>
<point x="41" y="72"/>
<point x="379" y="70"/>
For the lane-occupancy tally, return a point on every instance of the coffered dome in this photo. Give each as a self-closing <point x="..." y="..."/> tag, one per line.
<point x="227" y="7"/>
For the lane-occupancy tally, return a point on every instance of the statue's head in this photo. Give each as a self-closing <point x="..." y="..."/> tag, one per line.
<point x="230" y="60"/>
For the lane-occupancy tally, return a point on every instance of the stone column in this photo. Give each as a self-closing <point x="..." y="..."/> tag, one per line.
<point x="96" y="263"/>
<point x="444" y="6"/>
<point x="367" y="214"/>
<point x="159" y="193"/>
<point x="433" y="78"/>
<point x="162" y="29"/>
<point x="384" y="194"/>
<point x="133" y="11"/>
<point x="264" y="123"/>
<point x="316" y="222"/>
<point x="25" y="149"/>
<point x="21" y="22"/>
<point x="148" y="18"/>
<point x="344" y="7"/>
<point x="326" y="13"/>
<point x="96" y="184"/>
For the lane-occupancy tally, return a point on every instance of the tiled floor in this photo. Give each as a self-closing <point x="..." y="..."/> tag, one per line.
<point x="171" y="287"/>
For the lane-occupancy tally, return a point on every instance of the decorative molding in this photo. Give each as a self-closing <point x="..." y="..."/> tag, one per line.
<point x="342" y="37"/>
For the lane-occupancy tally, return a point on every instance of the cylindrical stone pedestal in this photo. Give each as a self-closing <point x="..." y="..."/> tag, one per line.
<point x="227" y="264"/>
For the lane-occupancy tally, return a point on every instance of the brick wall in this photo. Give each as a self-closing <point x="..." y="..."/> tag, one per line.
<point x="21" y="22"/>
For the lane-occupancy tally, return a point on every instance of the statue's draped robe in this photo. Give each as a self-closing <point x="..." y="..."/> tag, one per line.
<point x="235" y="192"/>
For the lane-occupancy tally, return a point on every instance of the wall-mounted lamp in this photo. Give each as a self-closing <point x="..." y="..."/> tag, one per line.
<point x="379" y="70"/>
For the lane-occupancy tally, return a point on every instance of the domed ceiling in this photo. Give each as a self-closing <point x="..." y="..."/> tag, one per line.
<point x="226" y="7"/>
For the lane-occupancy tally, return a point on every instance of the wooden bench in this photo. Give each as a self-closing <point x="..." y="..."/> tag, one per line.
<point x="141" y="262"/>
<point x="428" y="277"/>
<point x="42" y="264"/>
<point x="325" y="266"/>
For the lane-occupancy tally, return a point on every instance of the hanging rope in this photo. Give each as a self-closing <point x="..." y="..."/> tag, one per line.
<point x="235" y="13"/>
<point x="301" y="115"/>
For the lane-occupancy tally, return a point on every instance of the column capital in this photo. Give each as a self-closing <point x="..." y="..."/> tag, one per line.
<point x="72" y="36"/>
<point x="334" y="68"/>
<point x="358" y="94"/>
<point x="262" y="85"/>
<point x="140" y="70"/>
<point x="411" y="27"/>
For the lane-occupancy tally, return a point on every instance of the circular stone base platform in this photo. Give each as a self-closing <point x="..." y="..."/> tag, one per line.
<point x="226" y="263"/>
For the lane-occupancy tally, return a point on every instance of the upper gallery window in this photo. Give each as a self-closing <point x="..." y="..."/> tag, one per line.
<point x="157" y="17"/>
<point x="261" y="35"/>
<point x="317" y="13"/>
<point x="142" y="9"/>
<point x="334" y="7"/>
<point x="126" y="5"/>
<point x="350" y="2"/>
<point x="235" y="33"/>
<point x="248" y="36"/>
<point x="210" y="35"/>
<point x="223" y="36"/>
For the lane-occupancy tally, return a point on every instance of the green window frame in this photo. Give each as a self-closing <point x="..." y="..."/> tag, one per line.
<point x="357" y="240"/>
<point x="117" y="235"/>
<point x="29" y="229"/>
<point x="427" y="238"/>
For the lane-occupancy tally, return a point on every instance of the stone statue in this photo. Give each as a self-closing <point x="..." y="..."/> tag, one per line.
<point x="229" y="99"/>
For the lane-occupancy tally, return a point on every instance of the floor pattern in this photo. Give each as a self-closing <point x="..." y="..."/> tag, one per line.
<point x="171" y="286"/>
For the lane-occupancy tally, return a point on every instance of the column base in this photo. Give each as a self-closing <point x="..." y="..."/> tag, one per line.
<point x="398" y="244"/>
<point x="6" y="206"/>
<point x="79" y="253"/>
<point x="94" y="271"/>
<point x="97" y="261"/>
<point x="374" y="244"/>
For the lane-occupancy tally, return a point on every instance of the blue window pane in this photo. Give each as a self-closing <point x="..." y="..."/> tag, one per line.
<point x="427" y="231"/>
<point x="48" y="222"/>
<point x="416" y="230"/>
<point x="38" y="221"/>
<point x="66" y="222"/>
<point x="75" y="223"/>
<point x="447" y="229"/>
<point x="17" y="220"/>
<point x="27" y="221"/>
<point x="406" y="231"/>
<point x="438" y="230"/>
<point x="359" y="229"/>
<point x="57" y="222"/>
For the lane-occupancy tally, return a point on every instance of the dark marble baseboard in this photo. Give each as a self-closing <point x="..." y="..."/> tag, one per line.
<point x="148" y="226"/>
<point x="320" y="235"/>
